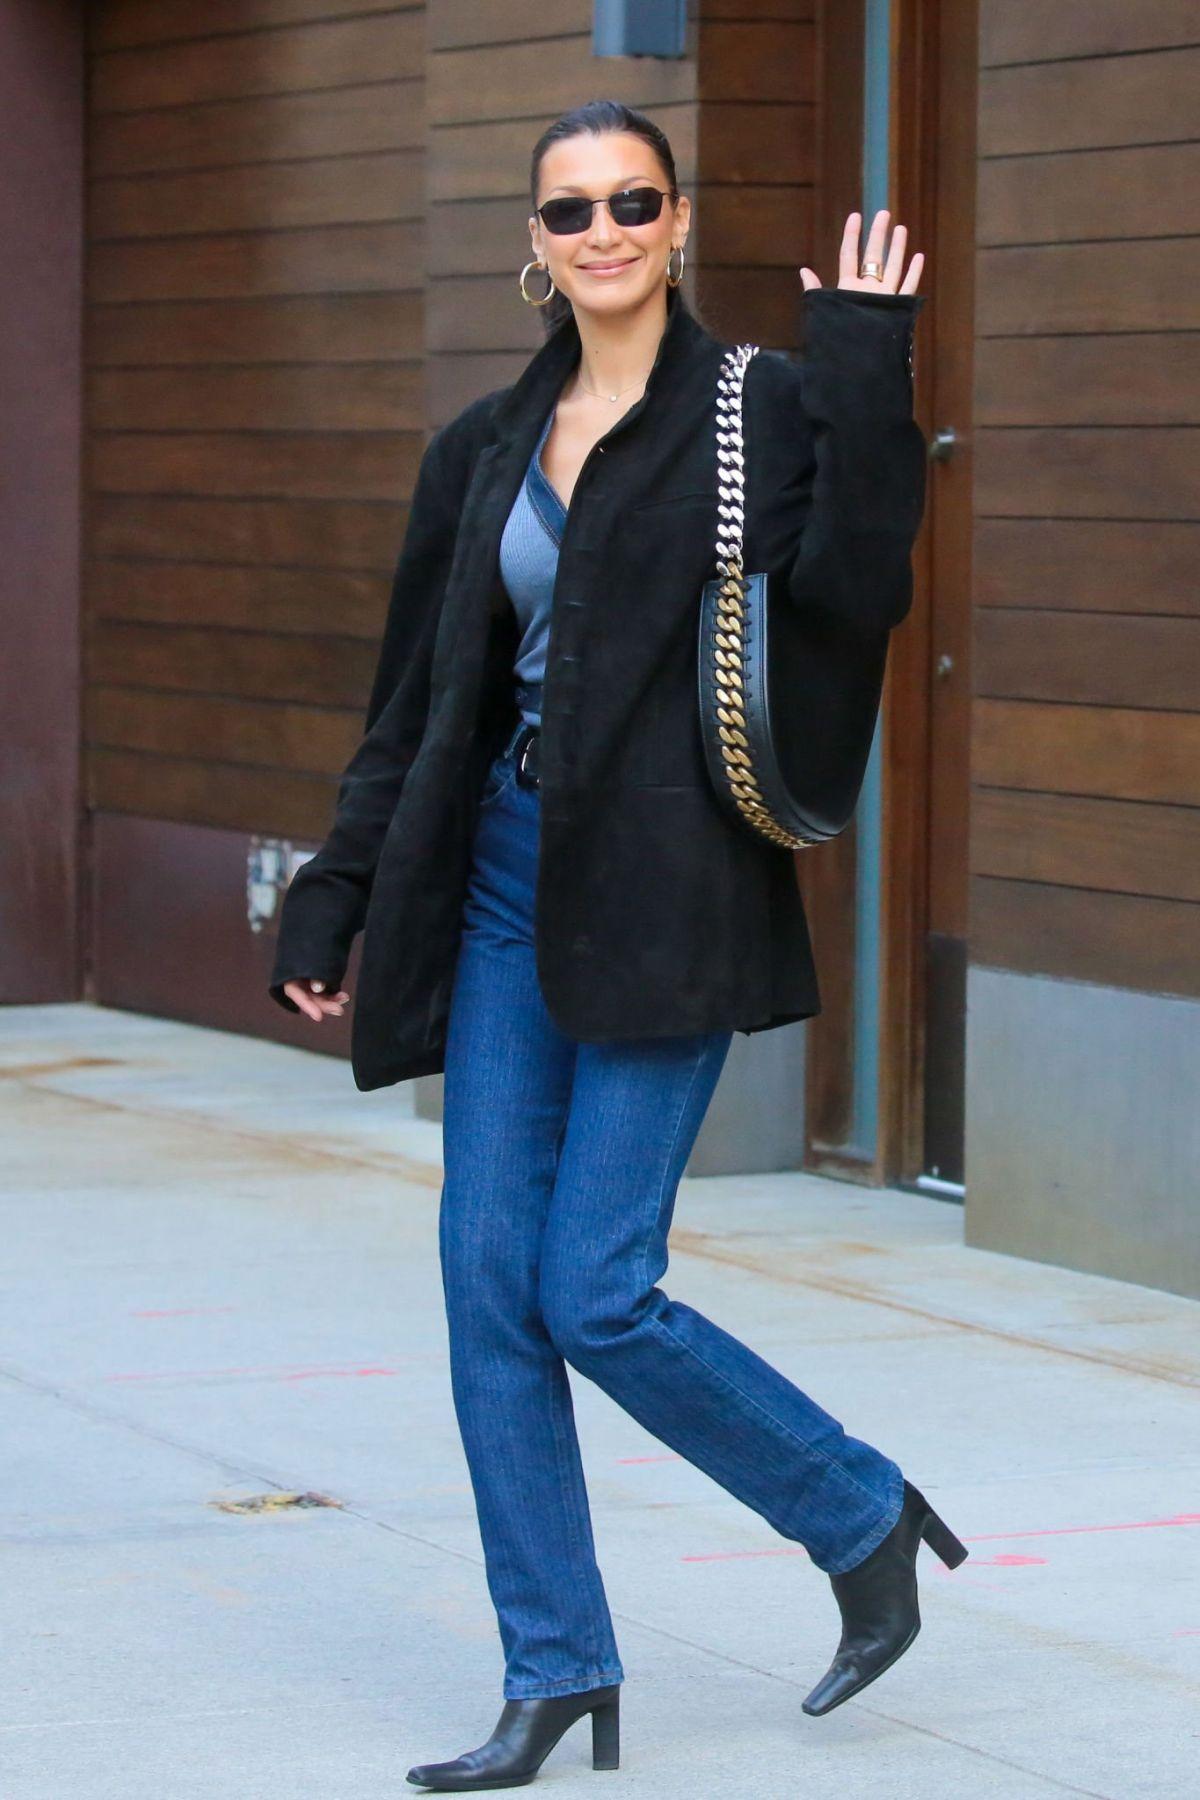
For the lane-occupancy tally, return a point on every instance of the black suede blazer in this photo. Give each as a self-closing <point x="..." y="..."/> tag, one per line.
<point x="655" y="914"/>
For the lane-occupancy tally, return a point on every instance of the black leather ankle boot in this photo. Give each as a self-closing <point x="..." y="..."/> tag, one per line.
<point x="525" y="1734"/>
<point x="878" y="1602"/>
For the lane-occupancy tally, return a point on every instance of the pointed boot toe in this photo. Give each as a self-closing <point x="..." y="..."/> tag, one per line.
<point x="878" y="1602"/>
<point x="525" y="1734"/>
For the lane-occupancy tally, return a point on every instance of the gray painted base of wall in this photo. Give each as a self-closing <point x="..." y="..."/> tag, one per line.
<point x="755" y="1122"/>
<point x="1083" y="1127"/>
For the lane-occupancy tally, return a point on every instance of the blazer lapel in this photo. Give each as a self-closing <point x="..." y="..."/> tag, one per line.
<point x="517" y="423"/>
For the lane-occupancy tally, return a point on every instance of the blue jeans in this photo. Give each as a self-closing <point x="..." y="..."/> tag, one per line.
<point x="562" y="1161"/>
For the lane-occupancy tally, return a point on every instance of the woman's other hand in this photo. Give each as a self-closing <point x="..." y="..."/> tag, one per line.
<point x="313" y="1001"/>
<point x="849" y="262"/>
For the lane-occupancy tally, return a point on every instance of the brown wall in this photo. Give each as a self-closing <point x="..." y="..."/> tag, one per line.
<point x="41" y="276"/>
<point x="255" y="399"/>
<point x="1085" y="837"/>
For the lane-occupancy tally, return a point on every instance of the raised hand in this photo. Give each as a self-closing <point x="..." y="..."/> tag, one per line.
<point x="886" y="279"/>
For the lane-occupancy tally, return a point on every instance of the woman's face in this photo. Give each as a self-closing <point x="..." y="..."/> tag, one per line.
<point x="607" y="268"/>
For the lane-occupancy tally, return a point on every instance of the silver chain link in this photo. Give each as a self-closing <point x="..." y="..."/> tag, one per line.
<point x="731" y="462"/>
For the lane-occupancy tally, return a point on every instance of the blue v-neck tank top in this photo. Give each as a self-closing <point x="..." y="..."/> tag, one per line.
<point x="528" y="565"/>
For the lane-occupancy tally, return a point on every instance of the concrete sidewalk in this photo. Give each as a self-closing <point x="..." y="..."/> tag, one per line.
<point x="220" y="1280"/>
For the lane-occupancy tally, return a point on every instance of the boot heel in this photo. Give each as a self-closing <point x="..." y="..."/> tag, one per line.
<point x="606" y="1735"/>
<point x="942" y="1541"/>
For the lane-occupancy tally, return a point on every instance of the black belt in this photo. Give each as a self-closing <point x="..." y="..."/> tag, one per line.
<point x="524" y="744"/>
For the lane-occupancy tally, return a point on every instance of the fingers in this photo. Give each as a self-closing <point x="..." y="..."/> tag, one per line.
<point x="848" y="257"/>
<point x="893" y="268"/>
<point x="909" y="284"/>
<point x="850" y="261"/>
<point x="312" y="1000"/>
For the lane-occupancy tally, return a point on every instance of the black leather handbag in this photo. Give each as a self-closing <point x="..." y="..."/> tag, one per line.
<point x="788" y="698"/>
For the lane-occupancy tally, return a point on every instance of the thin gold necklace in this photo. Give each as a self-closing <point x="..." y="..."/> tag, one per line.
<point x="625" y="390"/>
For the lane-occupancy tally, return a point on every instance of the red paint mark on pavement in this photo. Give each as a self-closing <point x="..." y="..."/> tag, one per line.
<point x="177" y="1312"/>
<point x="1072" y="1530"/>
<point x="268" y="1372"/>
<point x="999" y="1561"/>
<point x="318" y="1374"/>
<point x="651" y="1459"/>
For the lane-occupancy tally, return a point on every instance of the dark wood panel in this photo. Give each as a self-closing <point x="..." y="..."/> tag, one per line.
<point x="122" y="23"/>
<point x="258" y="665"/>
<point x="1149" y="286"/>
<point x="741" y="225"/>
<point x="1010" y="33"/>
<point x="327" y="259"/>
<point x="172" y="939"/>
<point x="471" y="24"/>
<point x="1121" y="940"/>
<point x="260" y="197"/>
<point x="1088" y="658"/>
<point x="1115" y="194"/>
<point x="383" y="397"/>
<point x="463" y="24"/>
<point x="203" y="793"/>
<point x="765" y="60"/>
<point x="1122" y="752"/>
<point x="303" y="602"/>
<point x="1124" y="378"/>
<point x="760" y="144"/>
<point x="315" y="465"/>
<point x="256" y="398"/>
<point x="1099" y="565"/>
<point x="268" y="128"/>
<point x="1093" y="471"/>
<point x="534" y="81"/>
<point x="329" y="54"/>
<point x="1084" y="842"/>
<point x="752" y="305"/>
<point x="348" y="534"/>
<point x="756" y="9"/>
<point x="287" y="329"/>
<point x="1089" y="103"/>
<point x="302" y="739"/>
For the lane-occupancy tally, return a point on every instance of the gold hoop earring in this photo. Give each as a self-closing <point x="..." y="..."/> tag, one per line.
<point x="537" y="263"/>
<point x="675" y="281"/>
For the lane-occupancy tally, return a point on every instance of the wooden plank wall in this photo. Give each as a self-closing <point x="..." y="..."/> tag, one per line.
<point x="306" y="223"/>
<point x="255" y="400"/>
<point x="1085" y="838"/>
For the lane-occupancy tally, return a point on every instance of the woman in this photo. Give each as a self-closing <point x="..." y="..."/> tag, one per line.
<point x="558" y="916"/>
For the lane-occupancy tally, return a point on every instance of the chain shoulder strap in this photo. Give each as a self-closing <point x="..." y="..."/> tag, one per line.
<point x="731" y="464"/>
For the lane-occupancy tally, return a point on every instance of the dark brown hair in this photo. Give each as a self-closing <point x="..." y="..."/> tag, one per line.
<point x="598" y="117"/>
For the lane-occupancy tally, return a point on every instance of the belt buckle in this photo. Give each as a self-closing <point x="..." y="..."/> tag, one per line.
<point x="523" y="760"/>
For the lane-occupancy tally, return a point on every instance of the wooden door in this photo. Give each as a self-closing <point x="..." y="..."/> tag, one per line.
<point x="914" y="1110"/>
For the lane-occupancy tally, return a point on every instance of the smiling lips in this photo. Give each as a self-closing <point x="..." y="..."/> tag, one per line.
<point x="607" y="268"/>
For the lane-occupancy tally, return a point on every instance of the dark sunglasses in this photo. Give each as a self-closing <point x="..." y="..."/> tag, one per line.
<point x="569" y="213"/>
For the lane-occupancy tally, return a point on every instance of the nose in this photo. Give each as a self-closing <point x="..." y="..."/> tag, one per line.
<point x="603" y="228"/>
